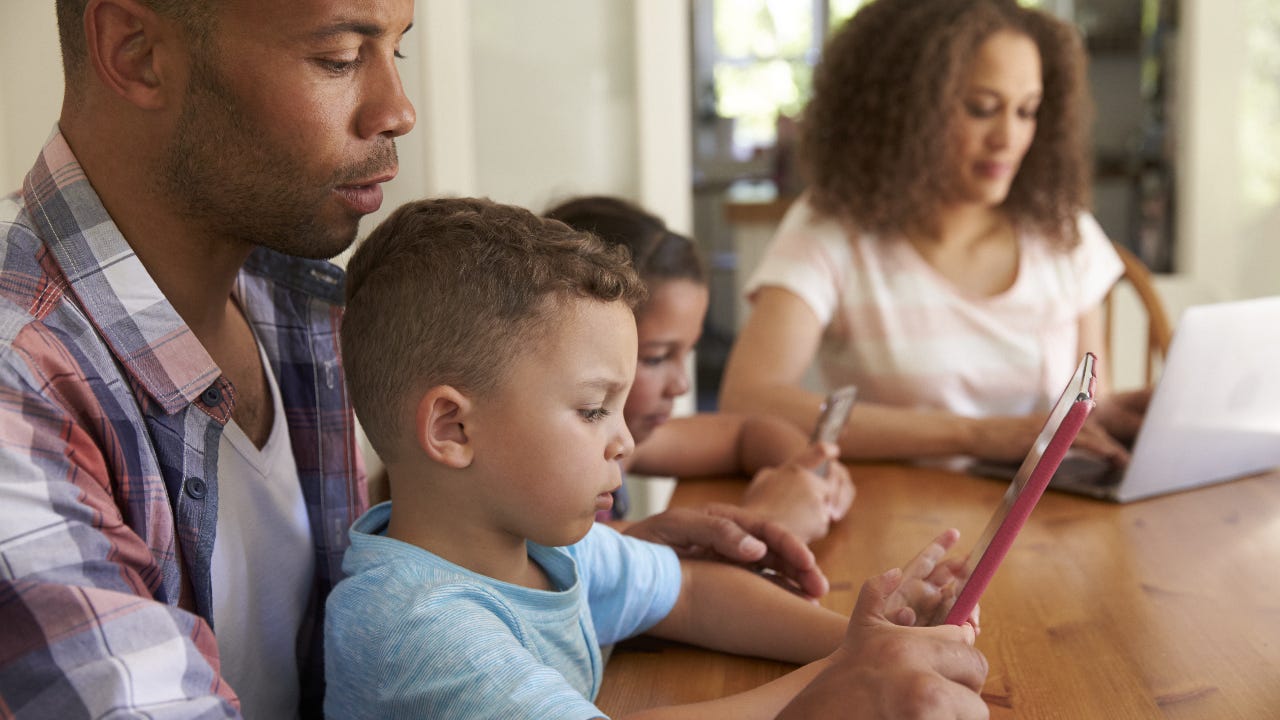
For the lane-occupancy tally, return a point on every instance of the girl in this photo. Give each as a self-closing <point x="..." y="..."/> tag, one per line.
<point x="784" y="487"/>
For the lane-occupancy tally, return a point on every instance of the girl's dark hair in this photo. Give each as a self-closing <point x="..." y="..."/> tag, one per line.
<point x="657" y="253"/>
<point x="877" y="128"/>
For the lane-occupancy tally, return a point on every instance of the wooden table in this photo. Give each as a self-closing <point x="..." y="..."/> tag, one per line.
<point x="1164" y="608"/>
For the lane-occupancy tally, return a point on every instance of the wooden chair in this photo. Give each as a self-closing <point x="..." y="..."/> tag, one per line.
<point x="1159" y="330"/>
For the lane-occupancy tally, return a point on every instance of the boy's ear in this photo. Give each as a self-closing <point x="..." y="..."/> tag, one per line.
<point x="440" y="426"/>
<point x="124" y="41"/>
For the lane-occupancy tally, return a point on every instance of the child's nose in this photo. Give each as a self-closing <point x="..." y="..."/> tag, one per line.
<point x="678" y="382"/>
<point x="623" y="444"/>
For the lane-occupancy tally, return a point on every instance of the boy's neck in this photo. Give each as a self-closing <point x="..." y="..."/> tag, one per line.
<point x="456" y="529"/>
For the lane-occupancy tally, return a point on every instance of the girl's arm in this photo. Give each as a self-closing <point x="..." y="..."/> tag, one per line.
<point x="718" y="444"/>
<point x="784" y="488"/>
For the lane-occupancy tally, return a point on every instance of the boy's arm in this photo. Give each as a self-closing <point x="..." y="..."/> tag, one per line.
<point x="721" y="606"/>
<point x="879" y="671"/>
<point x="717" y="444"/>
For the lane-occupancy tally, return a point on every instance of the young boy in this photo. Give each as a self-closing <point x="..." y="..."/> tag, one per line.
<point x="489" y="353"/>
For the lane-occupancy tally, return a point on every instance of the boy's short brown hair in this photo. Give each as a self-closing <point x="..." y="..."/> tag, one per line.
<point x="448" y="291"/>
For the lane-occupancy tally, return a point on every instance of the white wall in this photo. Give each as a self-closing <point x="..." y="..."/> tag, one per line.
<point x="555" y="99"/>
<point x="30" y="85"/>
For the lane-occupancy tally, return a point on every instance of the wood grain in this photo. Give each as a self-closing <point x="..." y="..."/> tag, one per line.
<point x="1164" y="608"/>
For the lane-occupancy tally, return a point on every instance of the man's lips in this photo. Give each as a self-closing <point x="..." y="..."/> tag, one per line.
<point x="364" y="196"/>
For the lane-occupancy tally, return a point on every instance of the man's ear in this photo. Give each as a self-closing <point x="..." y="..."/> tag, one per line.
<point x="123" y="39"/>
<point x="440" y="426"/>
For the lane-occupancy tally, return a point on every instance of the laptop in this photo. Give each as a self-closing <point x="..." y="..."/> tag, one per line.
<point x="1214" y="414"/>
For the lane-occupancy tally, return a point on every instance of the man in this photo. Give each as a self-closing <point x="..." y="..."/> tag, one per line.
<point x="178" y="464"/>
<point x="163" y="323"/>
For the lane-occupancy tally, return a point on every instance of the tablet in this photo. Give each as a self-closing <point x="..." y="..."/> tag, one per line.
<point x="1059" y="431"/>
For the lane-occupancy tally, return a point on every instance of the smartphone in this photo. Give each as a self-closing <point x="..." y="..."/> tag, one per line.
<point x="832" y="417"/>
<point x="1059" y="431"/>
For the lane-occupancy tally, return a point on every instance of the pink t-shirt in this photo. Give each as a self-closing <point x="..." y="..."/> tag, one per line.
<point x="905" y="336"/>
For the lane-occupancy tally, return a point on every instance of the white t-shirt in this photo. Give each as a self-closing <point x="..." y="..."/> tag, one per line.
<point x="906" y="336"/>
<point x="263" y="565"/>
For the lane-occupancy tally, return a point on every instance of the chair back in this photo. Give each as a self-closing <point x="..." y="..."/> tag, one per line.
<point x="1159" y="330"/>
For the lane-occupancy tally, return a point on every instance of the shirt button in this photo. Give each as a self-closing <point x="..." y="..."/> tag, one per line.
<point x="212" y="396"/>
<point x="196" y="488"/>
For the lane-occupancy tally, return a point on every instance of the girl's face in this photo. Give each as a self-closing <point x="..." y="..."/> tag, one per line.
<point x="668" y="325"/>
<point x="995" y="122"/>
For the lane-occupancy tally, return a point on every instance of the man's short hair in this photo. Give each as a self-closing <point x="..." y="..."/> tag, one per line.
<point x="449" y="291"/>
<point x="195" y="16"/>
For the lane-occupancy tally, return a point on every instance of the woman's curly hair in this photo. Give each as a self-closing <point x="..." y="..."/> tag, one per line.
<point x="876" y="131"/>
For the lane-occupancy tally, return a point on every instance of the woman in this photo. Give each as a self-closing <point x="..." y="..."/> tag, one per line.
<point x="942" y="259"/>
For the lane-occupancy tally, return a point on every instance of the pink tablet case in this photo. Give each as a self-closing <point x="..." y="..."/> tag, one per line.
<point x="1022" y="506"/>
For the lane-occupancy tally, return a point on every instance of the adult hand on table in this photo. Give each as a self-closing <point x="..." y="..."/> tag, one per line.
<point x="1121" y="414"/>
<point x="883" y="670"/>
<point x="738" y="535"/>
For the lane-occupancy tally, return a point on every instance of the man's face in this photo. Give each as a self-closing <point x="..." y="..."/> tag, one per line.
<point x="288" y="126"/>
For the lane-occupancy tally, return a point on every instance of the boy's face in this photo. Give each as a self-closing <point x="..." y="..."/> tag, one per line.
<point x="548" y="439"/>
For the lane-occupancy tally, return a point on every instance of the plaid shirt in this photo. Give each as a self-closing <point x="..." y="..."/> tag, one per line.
<point x="110" y="417"/>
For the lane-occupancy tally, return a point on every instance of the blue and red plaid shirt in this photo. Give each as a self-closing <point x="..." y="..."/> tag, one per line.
<point x="110" y="417"/>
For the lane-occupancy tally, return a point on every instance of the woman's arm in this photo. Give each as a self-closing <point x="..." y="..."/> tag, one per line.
<point x="1115" y="420"/>
<point x="779" y="343"/>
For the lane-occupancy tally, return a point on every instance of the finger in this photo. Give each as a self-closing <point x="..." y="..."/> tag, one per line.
<point x="922" y="565"/>
<point x="873" y="598"/>
<point x="975" y="620"/>
<point x="840" y="491"/>
<point x="1096" y="440"/>
<point x="789" y="556"/>
<point x="777" y="540"/>
<point x="1135" y="400"/>
<point x="784" y="552"/>
<point x="815" y="455"/>
<point x="726" y="537"/>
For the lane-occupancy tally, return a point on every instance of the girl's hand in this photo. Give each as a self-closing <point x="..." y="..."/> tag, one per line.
<point x="795" y="496"/>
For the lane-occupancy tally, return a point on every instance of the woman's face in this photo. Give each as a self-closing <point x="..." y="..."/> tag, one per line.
<point x="995" y="121"/>
<point x="668" y="326"/>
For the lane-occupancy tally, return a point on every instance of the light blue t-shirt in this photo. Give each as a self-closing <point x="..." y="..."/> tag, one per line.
<point x="411" y="635"/>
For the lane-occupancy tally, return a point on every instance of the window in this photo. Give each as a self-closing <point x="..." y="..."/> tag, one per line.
<point x="753" y="60"/>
